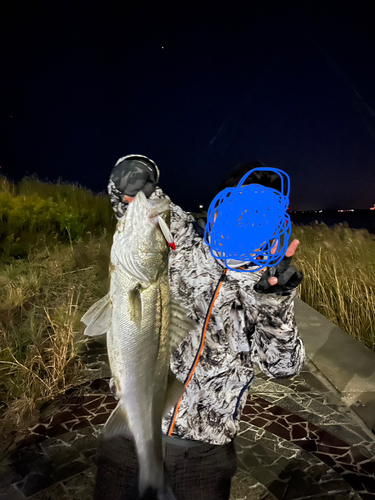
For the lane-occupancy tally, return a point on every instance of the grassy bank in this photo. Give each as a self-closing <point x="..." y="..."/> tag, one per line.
<point x="55" y="241"/>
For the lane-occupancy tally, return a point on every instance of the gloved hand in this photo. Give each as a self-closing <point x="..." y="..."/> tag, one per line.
<point x="135" y="173"/>
<point x="280" y="278"/>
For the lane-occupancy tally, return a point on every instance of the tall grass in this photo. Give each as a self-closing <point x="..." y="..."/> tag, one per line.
<point x="55" y="242"/>
<point x="33" y="212"/>
<point x="339" y="276"/>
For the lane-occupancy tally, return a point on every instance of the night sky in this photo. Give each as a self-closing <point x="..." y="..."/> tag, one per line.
<point x="198" y="90"/>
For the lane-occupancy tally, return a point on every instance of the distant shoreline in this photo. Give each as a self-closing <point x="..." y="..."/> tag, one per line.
<point x="359" y="219"/>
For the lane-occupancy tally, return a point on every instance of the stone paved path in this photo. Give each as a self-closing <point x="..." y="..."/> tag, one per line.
<point x="297" y="441"/>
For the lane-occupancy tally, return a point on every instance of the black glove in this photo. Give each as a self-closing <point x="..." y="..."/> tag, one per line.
<point x="288" y="278"/>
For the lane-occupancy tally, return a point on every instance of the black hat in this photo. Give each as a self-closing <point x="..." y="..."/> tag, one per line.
<point x="131" y="174"/>
<point x="134" y="173"/>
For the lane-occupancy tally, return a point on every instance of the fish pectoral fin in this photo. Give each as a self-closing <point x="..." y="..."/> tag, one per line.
<point x="175" y="390"/>
<point x="181" y="324"/>
<point x="117" y="424"/>
<point x="135" y="304"/>
<point x="98" y="318"/>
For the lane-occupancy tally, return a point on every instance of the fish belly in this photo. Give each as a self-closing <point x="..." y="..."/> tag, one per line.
<point x="139" y="359"/>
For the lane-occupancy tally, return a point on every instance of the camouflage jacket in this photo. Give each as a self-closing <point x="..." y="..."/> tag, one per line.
<point x="244" y="328"/>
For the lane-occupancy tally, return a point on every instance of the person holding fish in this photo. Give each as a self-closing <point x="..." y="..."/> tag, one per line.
<point x="187" y="318"/>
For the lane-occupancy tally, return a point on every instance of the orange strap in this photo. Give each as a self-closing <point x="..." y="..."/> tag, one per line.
<point x="199" y="355"/>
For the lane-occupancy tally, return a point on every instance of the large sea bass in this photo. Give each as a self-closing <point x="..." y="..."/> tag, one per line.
<point x="143" y="324"/>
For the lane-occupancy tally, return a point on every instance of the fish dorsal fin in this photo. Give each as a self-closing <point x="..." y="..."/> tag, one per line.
<point x="98" y="318"/>
<point x="181" y="324"/>
<point x="175" y="390"/>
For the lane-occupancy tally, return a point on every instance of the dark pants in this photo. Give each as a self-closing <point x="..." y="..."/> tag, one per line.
<point x="198" y="473"/>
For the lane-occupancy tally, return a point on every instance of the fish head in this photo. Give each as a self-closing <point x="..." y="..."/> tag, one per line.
<point x="139" y="243"/>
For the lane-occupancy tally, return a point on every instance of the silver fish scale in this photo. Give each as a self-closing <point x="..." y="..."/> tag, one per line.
<point x="138" y="341"/>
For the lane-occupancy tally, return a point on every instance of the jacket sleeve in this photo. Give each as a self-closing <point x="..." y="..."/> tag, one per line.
<point x="277" y="350"/>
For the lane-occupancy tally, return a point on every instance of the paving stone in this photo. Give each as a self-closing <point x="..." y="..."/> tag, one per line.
<point x="283" y="382"/>
<point x="69" y="470"/>
<point x="342" y="432"/>
<point x="310" y="417"/>
<point x="30" y="440"/>
<point x="368" y="483"/>
<point x="348" y="495"/>
<point x="54" y="492"/>
<point x="21" y="467"/>
<point x="11" y="494"/>
<point x="361" y="433"/>
<point x="276" y="469"/>
<point x="100" y="419"/>
<point x="93" y="404"/>
<point x="69" y="437"/>
<point x="314" y="382"/>
<point x="369" y="468"/>
<point x="61" y="417"/>
<point x="42" y="465"/>
<point x="241" y="442"/>
<point x="319" y="408"/>
<point x="298" y="488"/>
<point x="50" y="445"/>
<point x="299" y="437"/>
<point x="34" y="483"/>
<point x="94" y="397"/>
<point x="266" y="455"/>
<point x="367" y="496"/>
<point x="63" y="455"/>
<point x="40" y="429"/>
<point x="85" y="443"/>
<point x="263" y="475"/>
<point x="335" y="418"/>
<point x="30" y="453"/>
<point x="56" y="430"/>
<point x="259" y="387"/>
<point x="278" y="488"/>
<point x="82" y="482"/>
<point x="81" y="424"/>
<point x="100" y="410"/>
<point x="85" y="432"/>
<point x="282" y="462"/>
<point x="288" y="404"/>
<point x="81" y="411"/>
<point x="90" y="453"/>
<point x="248" y="458"/>
<point x="245" y="487"/>
<point x="8" y="476"/>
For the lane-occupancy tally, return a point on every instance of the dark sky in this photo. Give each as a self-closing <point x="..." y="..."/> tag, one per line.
<point x="288" y="83"/>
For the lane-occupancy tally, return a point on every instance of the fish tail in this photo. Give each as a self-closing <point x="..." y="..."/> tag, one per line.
<point x="152" y="485"/>
<point x="164" y="493"/>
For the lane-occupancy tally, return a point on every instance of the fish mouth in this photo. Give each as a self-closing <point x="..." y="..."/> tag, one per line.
<point x="153" y="215"/>
<point x="157" y="208"/>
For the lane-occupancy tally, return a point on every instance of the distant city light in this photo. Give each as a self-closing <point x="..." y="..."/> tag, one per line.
<point x="200" y="206"/>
